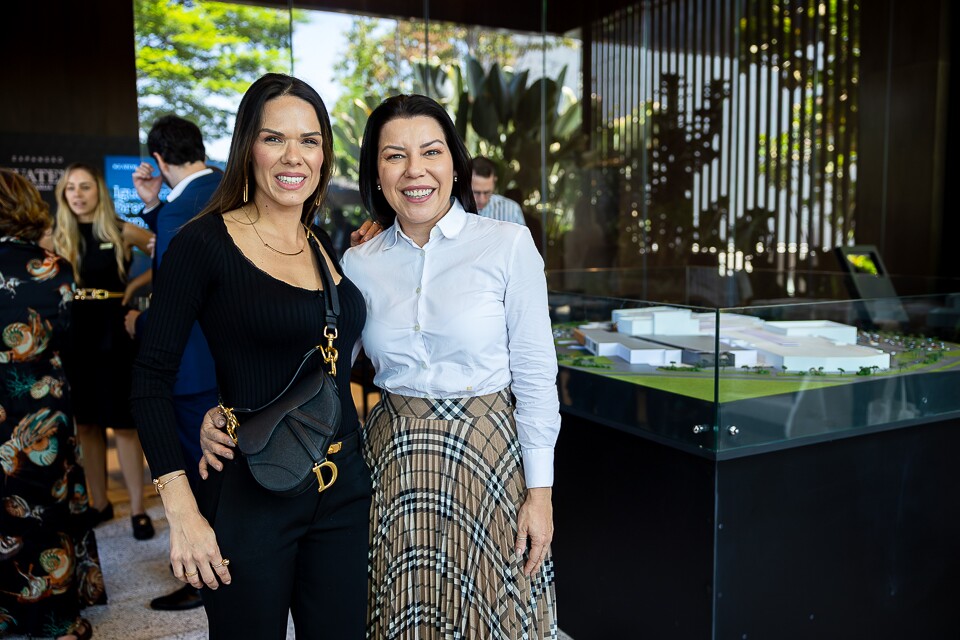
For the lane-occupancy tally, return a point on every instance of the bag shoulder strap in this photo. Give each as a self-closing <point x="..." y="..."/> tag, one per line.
<point x="331" y="296"/>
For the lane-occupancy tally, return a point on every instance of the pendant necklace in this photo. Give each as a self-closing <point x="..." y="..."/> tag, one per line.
<point x="253" y="223"/>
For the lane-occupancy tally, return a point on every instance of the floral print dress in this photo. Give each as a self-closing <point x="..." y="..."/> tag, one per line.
<point x="49" y="566"/>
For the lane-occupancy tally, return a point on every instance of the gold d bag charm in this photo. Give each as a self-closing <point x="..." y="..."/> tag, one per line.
<point x="318" y="469"/>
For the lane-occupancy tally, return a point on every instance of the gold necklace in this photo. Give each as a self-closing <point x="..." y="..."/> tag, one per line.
<point x="253" y="223"/>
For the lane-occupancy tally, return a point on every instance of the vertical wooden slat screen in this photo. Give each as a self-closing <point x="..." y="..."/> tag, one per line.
<point x="725" y="129"/>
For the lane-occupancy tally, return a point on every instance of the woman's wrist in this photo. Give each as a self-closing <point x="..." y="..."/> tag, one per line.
<point x="179" y="507"/>
<point x="160" y="482"/>
<point x="536" y="494"/>
<point x="175" y="493"/>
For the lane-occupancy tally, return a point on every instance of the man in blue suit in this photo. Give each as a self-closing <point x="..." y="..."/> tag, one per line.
<point x="177" y="146"/>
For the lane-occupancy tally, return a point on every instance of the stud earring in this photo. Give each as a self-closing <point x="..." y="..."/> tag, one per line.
<point x="378" y="187"/>
<point x="454" y="178"/>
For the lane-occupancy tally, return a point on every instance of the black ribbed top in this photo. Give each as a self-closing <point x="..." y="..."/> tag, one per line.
<point x="258" y="328"/>
<point x="98" y="262"/>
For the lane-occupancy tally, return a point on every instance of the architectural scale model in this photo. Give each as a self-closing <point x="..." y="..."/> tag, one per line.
<point x="662" y="336"/>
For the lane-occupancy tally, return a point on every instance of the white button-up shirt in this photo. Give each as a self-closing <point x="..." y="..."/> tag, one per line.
<point x="465" y="315"/>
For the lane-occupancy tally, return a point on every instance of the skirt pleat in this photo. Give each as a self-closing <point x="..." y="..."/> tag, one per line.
<point x="447" y="487"/>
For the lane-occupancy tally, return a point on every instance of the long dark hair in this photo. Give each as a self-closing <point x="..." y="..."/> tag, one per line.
<point x="229" y="195"/>
<point x="409" y="106"/>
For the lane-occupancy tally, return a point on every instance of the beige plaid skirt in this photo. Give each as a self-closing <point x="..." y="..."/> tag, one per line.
<point x="447" y="486"/>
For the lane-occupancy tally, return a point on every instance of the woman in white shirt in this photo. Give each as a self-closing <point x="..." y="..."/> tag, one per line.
<point x="457" y="319"/>
<point x="457" y="328"/>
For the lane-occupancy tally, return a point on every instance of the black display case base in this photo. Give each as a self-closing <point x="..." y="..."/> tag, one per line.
<point x="853" y="538"/>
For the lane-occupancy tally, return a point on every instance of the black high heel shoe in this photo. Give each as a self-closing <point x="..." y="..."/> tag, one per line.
<point x="102" y="515"/>
<point x="81" y="629"/>
<point x="142" y="526"/>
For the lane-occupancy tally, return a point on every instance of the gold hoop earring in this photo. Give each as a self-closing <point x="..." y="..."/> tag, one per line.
<point x="316" y="202"/>
<point x="245" y="185"/>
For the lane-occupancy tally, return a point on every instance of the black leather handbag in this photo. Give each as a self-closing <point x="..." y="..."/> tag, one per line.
<point x="286" y="441"/>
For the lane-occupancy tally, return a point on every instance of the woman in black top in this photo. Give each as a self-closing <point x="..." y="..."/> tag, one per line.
<point x="100" y="245"/>
<point x="247" y="269"/>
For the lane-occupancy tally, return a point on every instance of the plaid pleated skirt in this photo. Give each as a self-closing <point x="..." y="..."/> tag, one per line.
<point x="447" y="485"/>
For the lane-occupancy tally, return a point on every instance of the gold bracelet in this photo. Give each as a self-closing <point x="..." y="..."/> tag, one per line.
<point x="157" y="485"/>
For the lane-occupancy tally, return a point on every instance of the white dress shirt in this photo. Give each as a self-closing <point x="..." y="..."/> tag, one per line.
<point x="465" y="315"/>
<point x="502" y="208"/>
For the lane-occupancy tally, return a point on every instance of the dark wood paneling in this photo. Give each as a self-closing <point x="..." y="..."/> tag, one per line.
<point x="501" y="14"/>
<point x="73" y="72"/>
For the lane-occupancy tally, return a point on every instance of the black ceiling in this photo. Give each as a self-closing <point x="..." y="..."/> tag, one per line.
<point x="518" y="15"/>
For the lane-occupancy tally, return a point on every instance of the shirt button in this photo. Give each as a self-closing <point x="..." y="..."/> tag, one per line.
<point x="418" y="289"/>
<point x="422" y="252"/>
<point x="423" y="365"/>
<point x="416" y="327"/>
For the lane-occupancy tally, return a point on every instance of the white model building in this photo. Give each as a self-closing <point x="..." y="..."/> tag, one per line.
<point x="662" y="321"/>
<point x="659" y="336"/>
<point x="633" y="350"/>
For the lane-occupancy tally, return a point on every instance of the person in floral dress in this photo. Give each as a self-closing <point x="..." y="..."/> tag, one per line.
<point x="49" y="566"/>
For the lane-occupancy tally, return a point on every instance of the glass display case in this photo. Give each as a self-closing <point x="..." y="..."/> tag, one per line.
<point x="727" y="364"/>
<point x="774" y="449"/>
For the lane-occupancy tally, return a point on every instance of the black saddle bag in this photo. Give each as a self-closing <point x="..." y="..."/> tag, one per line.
<point x="286" y="441"/>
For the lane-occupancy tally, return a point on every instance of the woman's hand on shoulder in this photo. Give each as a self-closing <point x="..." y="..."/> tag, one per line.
<point x="535" y="528"/>
<point x="215" y="442"/>
<point x="369" y="230"/>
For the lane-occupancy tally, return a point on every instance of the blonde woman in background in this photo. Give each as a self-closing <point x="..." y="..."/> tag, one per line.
<point x="99" y="245"/>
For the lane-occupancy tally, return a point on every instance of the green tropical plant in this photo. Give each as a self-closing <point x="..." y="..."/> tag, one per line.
<point x="197" y="58"/>
<point x="504" y="115"/>
<point x="498" y="115"/>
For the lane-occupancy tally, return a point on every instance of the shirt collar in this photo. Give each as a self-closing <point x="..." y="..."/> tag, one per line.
<point x="450" y="225"/>
<point x="177" y="190"/>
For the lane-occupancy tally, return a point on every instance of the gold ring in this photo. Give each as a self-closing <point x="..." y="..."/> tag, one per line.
<point x="223" y="563"/>
<point x="187" y="574"/>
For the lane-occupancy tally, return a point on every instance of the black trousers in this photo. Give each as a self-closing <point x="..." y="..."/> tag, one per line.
<point x="306" y="555"/>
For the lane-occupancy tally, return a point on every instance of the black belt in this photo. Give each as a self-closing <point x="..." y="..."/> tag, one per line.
<point x="349" y="444"/>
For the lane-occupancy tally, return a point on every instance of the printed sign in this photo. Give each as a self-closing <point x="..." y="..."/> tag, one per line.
<point x="118" y="172"/>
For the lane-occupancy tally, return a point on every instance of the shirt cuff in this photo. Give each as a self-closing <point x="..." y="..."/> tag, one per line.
<point x="538" y="467"/>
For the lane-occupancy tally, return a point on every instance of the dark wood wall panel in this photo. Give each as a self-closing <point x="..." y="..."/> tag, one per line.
<point x="70" y="90"/>
<point x="72" y="72"/>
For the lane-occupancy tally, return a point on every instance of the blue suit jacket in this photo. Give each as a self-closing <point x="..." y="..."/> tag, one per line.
<point x="197" y="373"/>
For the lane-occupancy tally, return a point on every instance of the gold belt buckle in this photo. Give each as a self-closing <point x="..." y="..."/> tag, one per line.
<point x="91" y="294"/>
